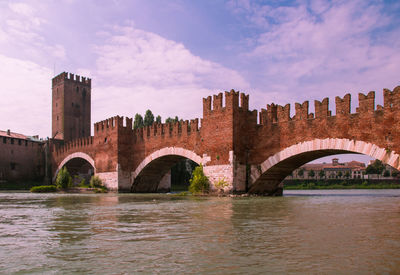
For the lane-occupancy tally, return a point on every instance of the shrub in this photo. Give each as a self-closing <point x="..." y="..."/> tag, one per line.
<point x="199" y="183"/>
<point x="63" y="180"/>
<point x="221" y="184"/>
<point x="95" y="182"/>
<point x="44" y="189"/>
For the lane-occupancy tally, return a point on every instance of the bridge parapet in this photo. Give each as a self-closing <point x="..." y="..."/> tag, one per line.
<point x="278" y="113"/>
<point x="231" y="102"/>
<point x="74" y="145"/>
<point x="167" y="130"/>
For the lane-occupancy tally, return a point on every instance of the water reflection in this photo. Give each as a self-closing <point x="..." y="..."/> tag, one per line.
<point x="153" y="233"/>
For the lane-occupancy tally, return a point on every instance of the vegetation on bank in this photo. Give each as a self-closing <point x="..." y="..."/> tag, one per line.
<point x="199" y="183"/>
<point x="339" y="184"/>
<point x="64" y="183"/>
<point x="44" y="189"/>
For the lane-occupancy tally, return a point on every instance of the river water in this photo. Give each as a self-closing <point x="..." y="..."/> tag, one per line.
<point x="307" y="232"/>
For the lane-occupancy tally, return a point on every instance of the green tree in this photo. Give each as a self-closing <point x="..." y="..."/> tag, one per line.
<point x="301" y="172"/>
<point x="63" y="180"/>
<point x="347" y="175"/>
<point x="158" y="119"/>
<point x="395" y="173"/>
<point x="340" y="174"/>
<point x="138" y="123"/>
<point x="386" y="173"/>
<point x="311" y="174"/>
<point x="95" y="182"/>
<point x="376" y="167"/>
<point x="148" y="118"/>
<point x="321" y="174"/>
<point x="199" y="183"/>
<point x="172" y="120"/>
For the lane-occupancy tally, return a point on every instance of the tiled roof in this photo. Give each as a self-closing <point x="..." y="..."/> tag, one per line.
<point x="17" y="135"/>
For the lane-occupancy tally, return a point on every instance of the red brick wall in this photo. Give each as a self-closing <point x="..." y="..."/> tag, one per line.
<point x="23" y="160"/>
<point x="71" y="107"/>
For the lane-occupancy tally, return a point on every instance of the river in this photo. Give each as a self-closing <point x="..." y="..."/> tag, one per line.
<point x="307" y="232"/>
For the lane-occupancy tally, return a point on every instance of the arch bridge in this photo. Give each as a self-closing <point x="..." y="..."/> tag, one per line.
<point x="252" y="151"/>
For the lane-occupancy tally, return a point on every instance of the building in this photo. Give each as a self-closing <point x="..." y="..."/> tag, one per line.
<point x="22" y="157"/>
<point x="26" y="157"/>
<point x="335" y="170"/>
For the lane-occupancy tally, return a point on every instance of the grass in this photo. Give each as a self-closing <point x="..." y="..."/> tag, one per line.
<point x="43" y="189"/>
<point x="339" y="184"/>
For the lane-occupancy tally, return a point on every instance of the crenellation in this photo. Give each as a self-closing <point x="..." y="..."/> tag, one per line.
<point x="244" y="101"/>
<point x="283" y="113"/>
<point x="301" y="110"/>
<point x="322" y="108"/>
<point x="194" y="125"/>
<point x="343" y="105"/>
<point x="185" y="127"/>
<point x="129" y="123"/>
<point x="206" y="105"/>
<point x="391" y="99"/>
<point x="366" y="103"/>
<point x="231" y="99"/>
<point x="272" y="113"/>
<point x="217" y="102"/>
<point x="263" y="117"/>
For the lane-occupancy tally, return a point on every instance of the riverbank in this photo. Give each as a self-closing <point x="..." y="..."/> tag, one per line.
<point x="340" y="184"/>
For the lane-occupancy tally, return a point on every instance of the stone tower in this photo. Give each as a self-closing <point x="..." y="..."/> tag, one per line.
<point x="71" y="97"/>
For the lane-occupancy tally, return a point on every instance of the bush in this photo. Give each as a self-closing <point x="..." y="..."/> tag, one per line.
<point x="221" y="184"/>
<point x="63" y="180"/>
<point x="44" y="189"/>
<point x="199" y="183"/>
<point x="95" y="182"/>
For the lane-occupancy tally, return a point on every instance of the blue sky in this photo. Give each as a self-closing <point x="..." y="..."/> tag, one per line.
<point x="167" y="55"/>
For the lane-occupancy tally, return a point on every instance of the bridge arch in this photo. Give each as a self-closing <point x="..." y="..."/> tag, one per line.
<point x="77" y="155"/>
<point x="267" y="178"/>
<point x="153" y="173"/>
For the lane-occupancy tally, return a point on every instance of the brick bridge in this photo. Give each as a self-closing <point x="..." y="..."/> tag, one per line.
<point x="252" y="155"/>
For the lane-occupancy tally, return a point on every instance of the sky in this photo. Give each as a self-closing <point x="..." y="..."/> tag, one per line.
<point x="167" y="55"/>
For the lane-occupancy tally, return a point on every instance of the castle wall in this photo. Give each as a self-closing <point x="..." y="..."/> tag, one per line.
<point x="21" y="160"/>
<point x="71" y="107"/>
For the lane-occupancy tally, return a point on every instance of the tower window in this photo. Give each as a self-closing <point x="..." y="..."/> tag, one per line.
<point x="57" y="117"/>
<point x="56" y="104"/>
<point x="72" y="104"/>
<point x="77" y="89"/>
<point x="12" y="166"/>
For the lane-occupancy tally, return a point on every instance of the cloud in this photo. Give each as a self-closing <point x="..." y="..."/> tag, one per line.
<point x="136" y="70"/>
<point x="22" y="33"/>
<point x="314" y="49"/>
<point x="26" y="97"/>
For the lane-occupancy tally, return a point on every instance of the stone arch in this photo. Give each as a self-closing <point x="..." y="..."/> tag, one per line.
<point x="268" y="176"/>
<point x="161" y="160"/>
<point x="81" y="155"/>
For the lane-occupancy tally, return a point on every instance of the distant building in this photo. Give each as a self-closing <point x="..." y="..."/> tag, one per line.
<point x="336" y="170"/>
<point x="22" y="157"/>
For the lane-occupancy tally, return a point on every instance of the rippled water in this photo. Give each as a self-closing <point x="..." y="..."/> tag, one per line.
<point x="346" y="232"/>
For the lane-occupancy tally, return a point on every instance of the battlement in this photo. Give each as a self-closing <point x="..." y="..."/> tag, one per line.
<point x="232" y="97"/>
<point x="366" y="102"/>
<point x="180" y="128"/>
<point x="65" y="76"/>
<point x="74" y="145"/>
<point x="391" y="99"/>
<point x="277" y="113"/>
<point x="111" y="123"/>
